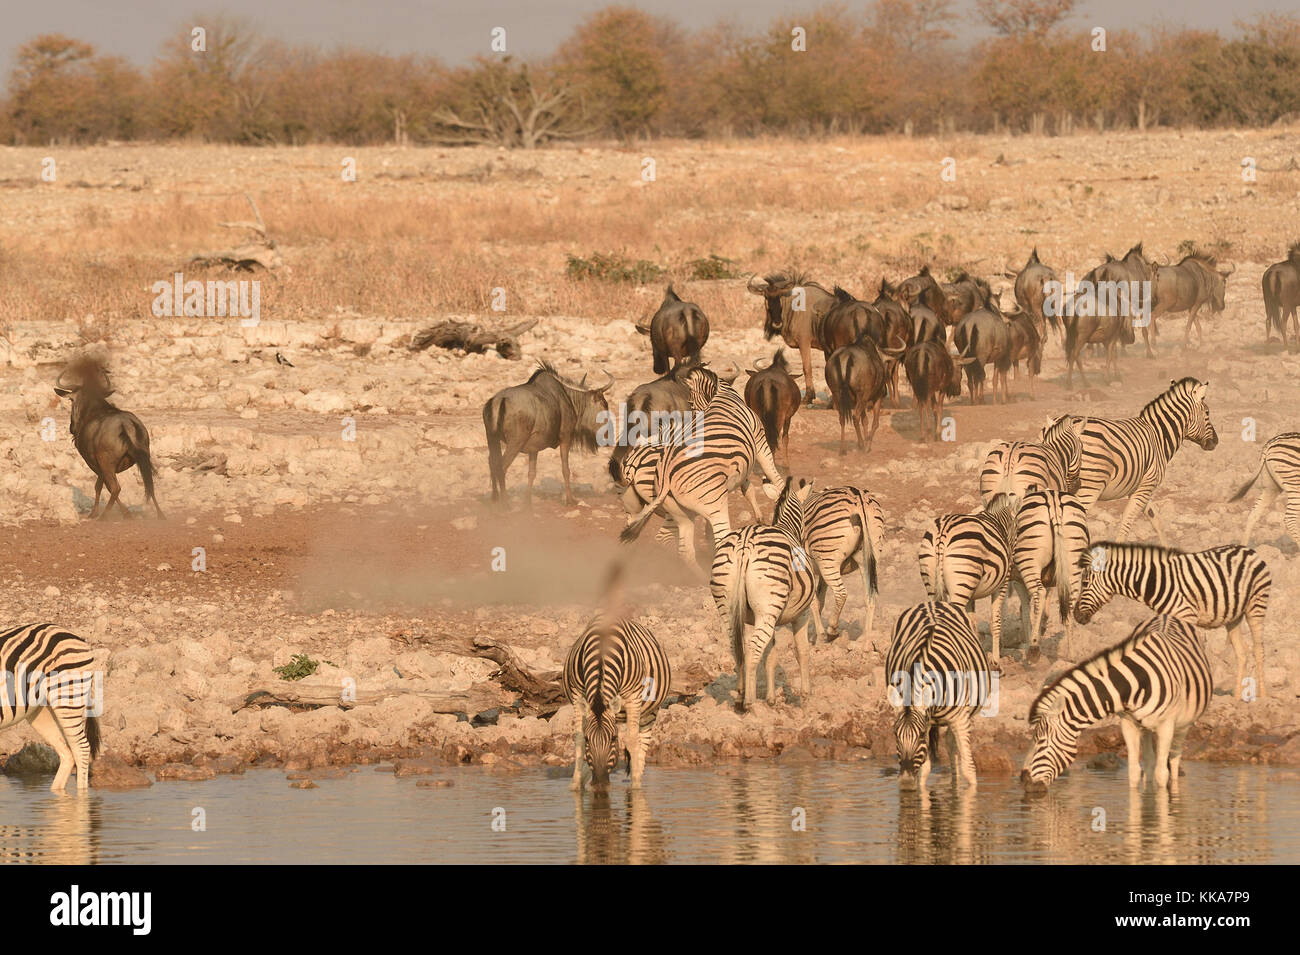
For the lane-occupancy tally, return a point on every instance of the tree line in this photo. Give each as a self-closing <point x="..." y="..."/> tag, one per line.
<point x="622" y="73"/>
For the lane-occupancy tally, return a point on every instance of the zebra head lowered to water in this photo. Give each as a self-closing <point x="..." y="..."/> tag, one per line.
<point x="1157" y="681"/>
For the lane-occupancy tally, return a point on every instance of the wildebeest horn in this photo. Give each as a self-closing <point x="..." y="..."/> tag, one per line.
<point x="896" y="352"/>
<point x="58" y="382"/>
<point x="609" y="381"/>
<point x="728" y="372"/>
<point x="1229" y="272"/>
<point x="761" y="364"/>
<point x="757" y="285"/>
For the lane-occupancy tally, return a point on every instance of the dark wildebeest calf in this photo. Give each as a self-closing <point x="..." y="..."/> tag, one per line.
<point x="545" y="412"/>
<point x="858" y="380"/>
<point x="773" y="395"/>
<point x="1186" y="287"/>
<point x="932" y="375"/>
<point x="1281" y="286"/>
<point x="109" y="440"/>
<point x="677" y="331"/>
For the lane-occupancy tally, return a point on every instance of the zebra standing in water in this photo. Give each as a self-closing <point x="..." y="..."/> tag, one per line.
<point x="1281" y="462"/>
<point x="762" y="575"/>
<point x="49" y="682"/>
<point x="1051" y="537"/>
<point x="844" y="531"/>
<point x="616" y="665"/>
<point x="938" y="676"/>
<point x="965" y="557"/>
<point x="1219" y="587"/>
<point x="1051" y="464"/>
<point x="1157" y="681"/>
<point x="1128" y="457"/>
<point x="695" y="476"/>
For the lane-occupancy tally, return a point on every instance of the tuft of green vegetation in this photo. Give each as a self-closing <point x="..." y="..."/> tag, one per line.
<point x="714" y="267"/>
<point x="612" y="268"/>
<point x="297" y="668"/>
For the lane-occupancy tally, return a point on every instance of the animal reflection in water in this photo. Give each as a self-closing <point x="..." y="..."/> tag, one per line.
<point x="606" y="836"/>
<point x="937" y="828"/>
<point x="65" y="832"/>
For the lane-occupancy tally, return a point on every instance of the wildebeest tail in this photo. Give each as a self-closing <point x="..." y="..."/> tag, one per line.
<point x="495" y="436"/>
<point x="769" y="400"/>
<point x="1273" y="302"/>
<point x="695" y="331"/>
<point x="137" y="439"/>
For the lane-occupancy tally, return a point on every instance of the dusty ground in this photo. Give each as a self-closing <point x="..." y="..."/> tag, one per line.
<point x="373" y="555"/>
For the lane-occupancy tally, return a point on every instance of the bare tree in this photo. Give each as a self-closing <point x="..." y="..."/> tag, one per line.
<point x="509" y="104"/>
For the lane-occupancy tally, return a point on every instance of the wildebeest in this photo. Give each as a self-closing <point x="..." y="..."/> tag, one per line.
<point x="932" y="375"/>
<point x="794" y="308"/>
<point x="1102" y="310"/>
<point x="1186" y="287"/>
<point x="773" y="395"/>
<point x="109" y="439"/>
<point x="544" y="412"/>
<point x="965" y="295"/>
<point x="924" y="290"/>
<point x="858" y="380"/>
<point x="984" y="337"/>
<point x="1026" y="346"/>
<point x="1031" y="293"/>
<point x="899" y="330"/>
<point x="1281" y="285"/>
<point x="927" y="326"/>
<point x="677" y="331"/>
<point x="664" y="401"/>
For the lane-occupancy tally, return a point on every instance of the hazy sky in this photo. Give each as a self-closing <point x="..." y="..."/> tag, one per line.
<point x="457" y="31"/>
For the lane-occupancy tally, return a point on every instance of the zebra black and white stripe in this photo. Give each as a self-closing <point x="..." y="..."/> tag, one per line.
<point x="938" y="676"/>
<point x="1157" y="681"/>
<point x="616" y="669"/>
<point x="1280" y="462"/>
<point x="1219" y="587"/>
<point x="844" y="531"/>
<point x="695" y="476"/>
<point x="1051" y="464"/>
<point x="965" y="557"/>
<point x="50" y="682"/>
<point x="762" y="575"/>
<point x="1128" y="457"/>
<point x="1051" y="537"/>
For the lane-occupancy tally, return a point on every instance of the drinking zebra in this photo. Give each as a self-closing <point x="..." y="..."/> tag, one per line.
<point x="1219" y="587"/>
<point x="938" y="676"/>
<point x="1020" y="467"/>
<point x="616" y="668"/>
<point x="1157" y="681"/>
<point x="762" y="576"/>
<point x="1051" y="538"/>
<point x="965" y="557"/>
<point x="48" y="681"/>
<point x="1281" y="462"/>
<point x="695" y="476"/>
<point x="1128" y="457"/>
<point x="844" y="531"/>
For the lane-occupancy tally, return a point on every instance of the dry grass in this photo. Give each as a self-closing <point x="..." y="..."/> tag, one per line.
<point x="435" y="231"/>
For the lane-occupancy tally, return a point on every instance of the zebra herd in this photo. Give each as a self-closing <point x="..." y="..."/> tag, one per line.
<point x="1031" y="535"/>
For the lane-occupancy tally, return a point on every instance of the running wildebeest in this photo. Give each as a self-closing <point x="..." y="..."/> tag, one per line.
<point x="1031" y="294"/>
<point x="544" y="412"/>
<point x="677" y="331"/>
<point x="858" y="379"/>
<point x="899" y="331"/>
<point x="773" y="395"/>
<point x="1281" y="286"/>
<point x="932" y="375"/>
<point x="1103" y="309"/>
<point x="1186" y="287"/>
<point x="965" y="295"/>
<point x="984" y="337"/>
<point x="924" y="290"/>
<point x="794" y="308"/>
<point x="109" y="439"/>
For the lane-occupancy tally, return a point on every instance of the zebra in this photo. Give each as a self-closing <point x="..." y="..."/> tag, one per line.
<point x="1281" y="462"/>
<point x="616" y="665"/>
<point x="1157" y="680"/>
<point x="1051" y="537"/>
<point x="1219" y="587"/>
<point x="1020" y="467"/>
<point x="844" y="531"/>
<point x="694" y="477"/>
<point x="1128" y="457"/>
<point x="48" y="681"/>
<point x="968" y="556"/>
<point x="762" y="575"/>
<point x="938" y="676"/>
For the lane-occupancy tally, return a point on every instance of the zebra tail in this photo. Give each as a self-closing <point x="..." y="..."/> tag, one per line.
<point x="92" y="735"/>
<point x="1249" y="484"/>
<point x="867" y="555"/>
<point x="638" y="523"/>
<point x="736" y="606"/>
<point x="1064" y="596"/>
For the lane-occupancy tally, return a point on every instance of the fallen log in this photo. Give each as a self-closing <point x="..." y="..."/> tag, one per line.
<point x="262" y="253"/>
<point x="472" y="337"/>
<point x="469" y="702"/>
<point x="538" y="689"/>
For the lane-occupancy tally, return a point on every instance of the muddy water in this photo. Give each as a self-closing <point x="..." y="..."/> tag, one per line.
<point x="757" y="812"/>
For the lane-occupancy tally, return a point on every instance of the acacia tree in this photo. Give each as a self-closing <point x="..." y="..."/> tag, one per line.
<point x="617" y="64"/>
<point x="49" y="88"/>
<point x="504" y="102"/>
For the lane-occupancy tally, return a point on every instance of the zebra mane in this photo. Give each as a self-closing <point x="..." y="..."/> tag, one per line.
<point x="1049" y="695"/>
<point x="1179" y="385"/>
<point x="1129" y="549"/>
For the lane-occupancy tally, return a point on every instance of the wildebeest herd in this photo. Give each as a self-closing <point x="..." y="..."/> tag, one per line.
<point x="768" y="580"/>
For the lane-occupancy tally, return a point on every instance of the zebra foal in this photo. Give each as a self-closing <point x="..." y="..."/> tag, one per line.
<point x="48" y="681"/>
<point x="1219" y="587"/>
<point x="1157" y="681"/>
<point x="616" y="668"/>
